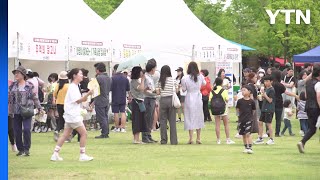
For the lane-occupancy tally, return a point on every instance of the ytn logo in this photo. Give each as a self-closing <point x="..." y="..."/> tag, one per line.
<point x="299" y="15"/>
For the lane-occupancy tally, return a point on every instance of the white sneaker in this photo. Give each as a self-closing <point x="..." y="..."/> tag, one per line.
<point x="301" y="133"/>
<point x="14" y="148"/>
<point x="117" y="129"/>
<point x="245" y="151"/>
<point x="123" y="130"/>
<point x="56" y="157"/>
<point x="249" y="151"/>
<point x="229" y="141"/>
<point x="270" y="141"/>
<point x="265" y="135"/>
<point x="218" y="142"/>
<point x="238" y="136"/>
<point x="84" y="157"/>
<point x="259" y="141"/>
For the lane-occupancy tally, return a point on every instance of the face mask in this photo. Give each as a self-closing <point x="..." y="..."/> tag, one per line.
<point x="261" y="75"/>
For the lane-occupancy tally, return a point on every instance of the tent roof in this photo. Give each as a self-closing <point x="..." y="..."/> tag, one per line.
<point x="281" y="61"/>
<point x="71" y="17"/>
<point x="311" y="56"/>
<point x="243" y="47"/>
<point x="165" y="25"/>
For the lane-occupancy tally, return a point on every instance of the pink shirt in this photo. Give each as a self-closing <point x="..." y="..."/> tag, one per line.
<point x="36" y="83"/>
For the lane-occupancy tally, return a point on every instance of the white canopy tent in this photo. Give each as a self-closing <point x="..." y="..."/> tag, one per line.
<point x="165" y="26"/>
<point x="168" y="27"/>
<point x="56" y="32"/>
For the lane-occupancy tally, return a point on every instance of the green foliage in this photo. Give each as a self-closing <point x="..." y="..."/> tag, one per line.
<point x="103" y="7"/>
<point x="247" y="22"/>
<point x="118" y="158"/>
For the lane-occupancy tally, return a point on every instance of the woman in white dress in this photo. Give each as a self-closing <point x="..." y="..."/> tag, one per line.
<point x="193" y="112"/>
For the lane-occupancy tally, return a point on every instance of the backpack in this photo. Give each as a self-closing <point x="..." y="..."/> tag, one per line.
<point x="218" y="105"/>
<point x="40" y="95"/>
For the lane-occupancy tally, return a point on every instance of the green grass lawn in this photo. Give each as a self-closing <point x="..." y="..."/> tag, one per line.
<point x="118" y="158"/>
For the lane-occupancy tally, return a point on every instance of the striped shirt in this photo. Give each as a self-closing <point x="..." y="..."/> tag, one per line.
<point x="168" y="87"/>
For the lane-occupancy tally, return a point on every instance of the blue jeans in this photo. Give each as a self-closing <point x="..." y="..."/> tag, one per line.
<point x="18" y="121"/>
<point x="304" y="125"/>
<point x="287" y="125"/>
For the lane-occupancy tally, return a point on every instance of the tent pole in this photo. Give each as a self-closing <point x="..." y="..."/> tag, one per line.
<point x="193" y="53"/>
<point x="16" y="59"/>
<point x="67" y="62"/>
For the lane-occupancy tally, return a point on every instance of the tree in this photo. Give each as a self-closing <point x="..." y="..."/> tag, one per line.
<point x="103" y="7"/>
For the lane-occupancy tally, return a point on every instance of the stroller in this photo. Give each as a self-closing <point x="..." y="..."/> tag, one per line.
<point x="40" y="125"/>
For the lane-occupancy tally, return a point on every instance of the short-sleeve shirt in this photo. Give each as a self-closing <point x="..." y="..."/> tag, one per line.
<point x="266" y="106"/>
<point x="224" y="94"/>
<point x="246" y="108"/>
<point x="168" y="87"/>
<point x="119" y="87"/>
<point x="149" y="83"/>
<point x="279" y="90"/>
<point x="135" y="92"/>
<point x="286" y="113"/>
<point x="317" y="87"/>
<point x="72" y="110"/>
<point x="254" y="90"/>
<point x="301" y="86"/>
<point x="289" y="79"/>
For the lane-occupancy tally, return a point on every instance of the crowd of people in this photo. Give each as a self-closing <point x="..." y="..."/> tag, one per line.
<point x="150" y="96"/>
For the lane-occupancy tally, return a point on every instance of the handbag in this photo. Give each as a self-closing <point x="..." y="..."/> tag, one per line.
<point x="175" y="99"/>
<point x="26" y="111"/>
<point x="142" y="107"/>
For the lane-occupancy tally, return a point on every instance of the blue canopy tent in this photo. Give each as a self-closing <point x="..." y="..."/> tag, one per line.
<point x="243" y="47"/>
<point x="310" y="56"/>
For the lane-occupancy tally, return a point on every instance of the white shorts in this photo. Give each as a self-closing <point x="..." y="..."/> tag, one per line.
<point x="74" y="125"/>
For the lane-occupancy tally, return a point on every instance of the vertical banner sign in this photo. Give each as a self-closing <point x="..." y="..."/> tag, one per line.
<point x="40" y="48"/>
<point x="89" y="50"/>
<point x="228" y="67"/>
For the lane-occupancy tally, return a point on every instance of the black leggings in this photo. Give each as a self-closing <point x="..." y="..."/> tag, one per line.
<point x="10" y="130"/>
<point x="312" y="121"/>
<point x="60" y="121"/>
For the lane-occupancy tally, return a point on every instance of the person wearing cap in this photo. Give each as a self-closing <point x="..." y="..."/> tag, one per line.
<point x="59" y="95"/>
<point x="261" y="74"/>
<point x="246" y="72"/>
<point x="21" y="95"/>
<point x="180" y="94"/>
<point x="119" y="88"/>
<point x="285" y="71"/>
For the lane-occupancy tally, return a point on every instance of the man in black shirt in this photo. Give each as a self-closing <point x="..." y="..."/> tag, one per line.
<point x="312" y="105"/>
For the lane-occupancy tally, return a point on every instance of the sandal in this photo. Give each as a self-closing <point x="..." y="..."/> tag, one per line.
<point x="190" y="142"/>
<point x="198" y="142"/>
